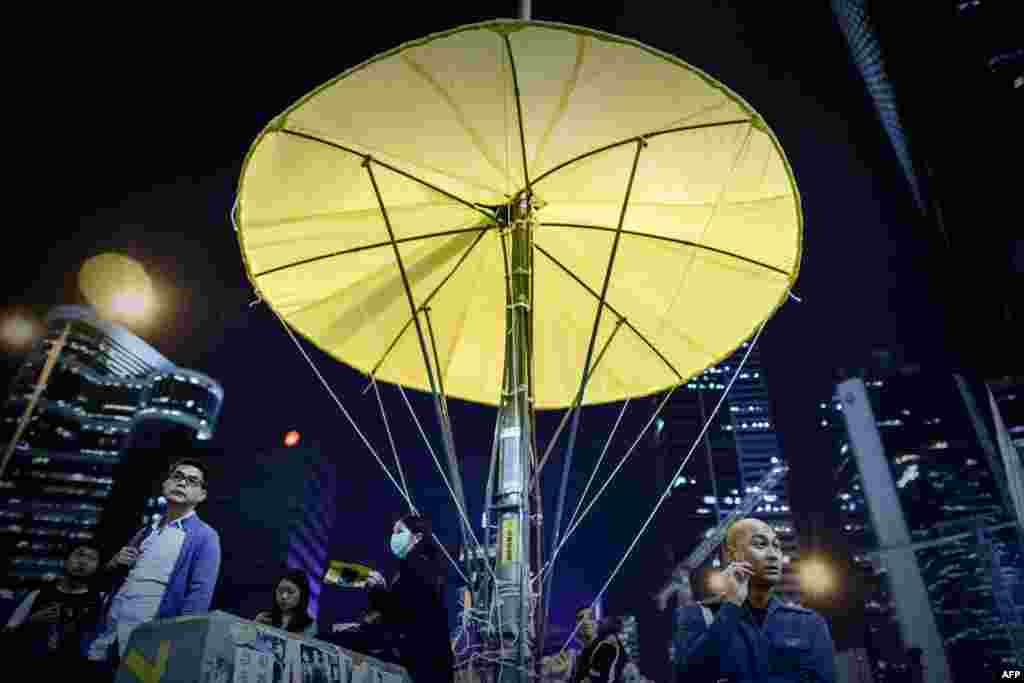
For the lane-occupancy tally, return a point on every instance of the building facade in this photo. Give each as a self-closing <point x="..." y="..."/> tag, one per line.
<point x="739" y="449"/>
<point x="928" y="514"/>
<point x="106" y="388"/>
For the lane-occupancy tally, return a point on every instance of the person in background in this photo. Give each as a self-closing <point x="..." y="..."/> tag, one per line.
<point x="291" y="605"/>
<point x="168" y="569"/>
<point x="54" y="626"/>
<point x="413" y="605"/>
<point x="603" y="658"/>
<point x="747" y="634"/>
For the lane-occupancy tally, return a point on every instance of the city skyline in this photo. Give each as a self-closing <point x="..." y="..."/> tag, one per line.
<point x="932" y="535"/>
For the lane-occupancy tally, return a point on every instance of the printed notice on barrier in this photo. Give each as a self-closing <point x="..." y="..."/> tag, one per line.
<point x="259" y="656"/>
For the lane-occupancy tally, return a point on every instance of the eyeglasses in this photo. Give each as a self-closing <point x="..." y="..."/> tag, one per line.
<point x="181" y="478"/>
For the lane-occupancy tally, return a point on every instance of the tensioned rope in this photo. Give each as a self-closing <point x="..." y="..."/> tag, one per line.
<point x="675" y="476"/>
<point x="359" y="432"/>
<point x="540" y="573"/>
<point x="551" y="561"/>
<point x="440" y="469"/>
<point x="394" y="449"/>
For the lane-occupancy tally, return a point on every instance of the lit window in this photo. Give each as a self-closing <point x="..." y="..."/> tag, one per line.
<point x="774" y="460"/>
<point x="771" y="497"/>
<point x="939" y="445"/>
<point x="703" y="511"/>
<point x="785" y="508"/>
<point x="844" y="448"/>
<point x="824" y="423"/>
<point x="710" y="500"/>
<point x="972" y="461"/>
<point x="728" y="500"/>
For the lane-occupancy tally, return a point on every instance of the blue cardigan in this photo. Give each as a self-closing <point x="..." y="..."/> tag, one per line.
<point x="190" y="588"/>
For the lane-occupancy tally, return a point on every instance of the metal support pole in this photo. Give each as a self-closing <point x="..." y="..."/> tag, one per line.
<point x="512" y="499"/>
<point x="44" y="377"/>
<point x="524" y="9"/>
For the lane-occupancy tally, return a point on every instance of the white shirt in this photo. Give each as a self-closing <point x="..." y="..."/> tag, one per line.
<point x="158" y="555"/>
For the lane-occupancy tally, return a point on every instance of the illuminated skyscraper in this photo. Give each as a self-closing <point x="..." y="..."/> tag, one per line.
<point x="107" y="388"/>
<point x="739" y="449"/>
<point x="925" y="503"/>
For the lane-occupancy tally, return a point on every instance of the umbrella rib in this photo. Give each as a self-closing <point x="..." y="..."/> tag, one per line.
<point x="384" y="164"/>
<point x="674" y="240"/>
<point x="635" y="138"/>
<point x="430" y="297"/>
<point x="519" y="115"/>
<point x="611" y="308"/>
<point x="378" y="245"/>
<point x="449" y="442"/>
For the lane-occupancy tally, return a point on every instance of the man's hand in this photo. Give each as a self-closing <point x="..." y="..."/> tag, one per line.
<point x="736" y="580"/>
<point x="263" y="618"/>
<point x="46" y="616"/>
<point x="126" y="557"/>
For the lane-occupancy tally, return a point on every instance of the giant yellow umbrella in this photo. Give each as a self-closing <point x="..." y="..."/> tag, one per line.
<point x="523" y="214"/>
<point x="710" y="235"/>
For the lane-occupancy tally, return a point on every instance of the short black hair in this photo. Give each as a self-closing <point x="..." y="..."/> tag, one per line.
<point x="190" y="462"/>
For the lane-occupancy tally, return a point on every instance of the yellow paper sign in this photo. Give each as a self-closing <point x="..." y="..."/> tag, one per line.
<point x="145" y="671"/>
<point x="509" y="540"/>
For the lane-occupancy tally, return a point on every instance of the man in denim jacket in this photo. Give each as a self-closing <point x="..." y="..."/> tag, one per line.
<point x="747" y="634"/>
<point x="169" y="568"/>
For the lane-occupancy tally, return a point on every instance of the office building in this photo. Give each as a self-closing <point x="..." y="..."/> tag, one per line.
<point x="945" y="101"/>
<point x="739" y="449"/>
<point x="926" y="504"/>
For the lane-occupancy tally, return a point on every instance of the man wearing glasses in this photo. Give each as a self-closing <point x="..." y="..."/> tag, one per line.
<point x="169" y="568"/>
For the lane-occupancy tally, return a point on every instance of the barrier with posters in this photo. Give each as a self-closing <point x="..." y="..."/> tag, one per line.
<point x="222" y="648"/>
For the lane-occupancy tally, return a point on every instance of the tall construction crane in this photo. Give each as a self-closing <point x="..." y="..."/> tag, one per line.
<point x="679" y="582"/>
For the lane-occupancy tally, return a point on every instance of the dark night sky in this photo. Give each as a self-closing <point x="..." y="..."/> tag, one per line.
<point x="143" y="128"/>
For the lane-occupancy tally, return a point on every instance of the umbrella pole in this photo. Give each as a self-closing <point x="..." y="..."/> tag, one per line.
<point x="512" y="499"/>
<point x="524" y="10"/>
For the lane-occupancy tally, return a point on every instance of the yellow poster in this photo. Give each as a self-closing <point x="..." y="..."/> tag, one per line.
<point x="509" y="540"/>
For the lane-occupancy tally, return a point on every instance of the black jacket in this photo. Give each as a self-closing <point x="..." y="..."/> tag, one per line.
<point x="413" y="608"/>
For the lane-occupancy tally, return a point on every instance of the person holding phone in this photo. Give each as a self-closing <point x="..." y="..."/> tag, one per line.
<point x="746" y="633"/>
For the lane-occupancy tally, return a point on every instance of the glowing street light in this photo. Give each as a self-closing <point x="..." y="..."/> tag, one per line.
<point x="118" y="287"/>
<point x="18" y="331"/>
<point x="816" y="577"/>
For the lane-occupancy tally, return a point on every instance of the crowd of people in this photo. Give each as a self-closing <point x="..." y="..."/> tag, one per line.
<point x="83" y="622"/>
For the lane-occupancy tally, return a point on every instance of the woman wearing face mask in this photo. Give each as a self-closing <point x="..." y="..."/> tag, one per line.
<point x="413" y="605"/>
<point x="291" y="605"/>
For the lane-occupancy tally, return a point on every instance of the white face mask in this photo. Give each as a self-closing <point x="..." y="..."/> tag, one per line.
<point x="401" y="543"/>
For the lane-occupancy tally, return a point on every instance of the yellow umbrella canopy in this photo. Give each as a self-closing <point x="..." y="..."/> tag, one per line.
<point x="434" y="136"/>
